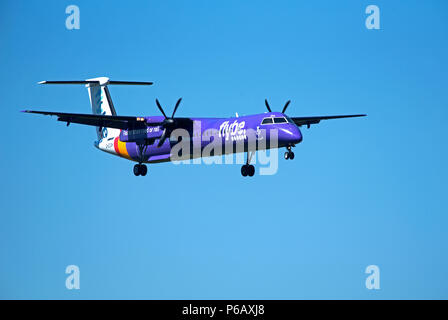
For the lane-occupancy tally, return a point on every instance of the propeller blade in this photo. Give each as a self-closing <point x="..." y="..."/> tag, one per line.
<point x="162" y="139"/>
<point x="267" y="105"/>
<point x="175" y="108"/>
<point x="160" y="108"/>
<point x="286" y="106"/>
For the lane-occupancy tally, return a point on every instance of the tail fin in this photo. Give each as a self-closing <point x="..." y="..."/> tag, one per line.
<point x="100" y="99"/>
<point x="101" y="103"/>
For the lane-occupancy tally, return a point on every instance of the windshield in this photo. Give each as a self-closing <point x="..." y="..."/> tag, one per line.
<point x="280" y="120"/>
<point x="267" y="121"/>
<point x="289" y="119"/>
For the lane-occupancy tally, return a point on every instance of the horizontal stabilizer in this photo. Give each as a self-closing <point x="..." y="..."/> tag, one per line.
<point x="143" y="83"/>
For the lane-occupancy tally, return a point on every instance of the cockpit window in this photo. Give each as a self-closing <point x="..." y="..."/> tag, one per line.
<point x="267" y="121"/>
<point x="276" y="120"/>
<point x="289" y="119"/>
<point x="280" y="120"/>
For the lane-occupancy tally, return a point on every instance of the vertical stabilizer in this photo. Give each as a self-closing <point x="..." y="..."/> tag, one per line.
<point x="101" y="103"/>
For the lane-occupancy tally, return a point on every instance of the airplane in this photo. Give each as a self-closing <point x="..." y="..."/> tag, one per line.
<point x="147" y="139"/>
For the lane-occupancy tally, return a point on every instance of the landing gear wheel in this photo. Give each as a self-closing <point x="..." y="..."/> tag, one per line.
<point x="137" y="170"/>
<point x="143" y="170"/>
<point x="244" y="171"/>
<point x="250" y="170"/>
<point x="289" y="155"/>
<point x="247" y="170"/>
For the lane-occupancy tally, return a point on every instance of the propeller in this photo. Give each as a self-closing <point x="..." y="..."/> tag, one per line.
<point x="284" y="108"/>
<point x="168" y="123"/>
<point x="267" y="105"/>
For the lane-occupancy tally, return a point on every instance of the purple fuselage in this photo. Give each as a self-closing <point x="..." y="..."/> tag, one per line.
<point x="236" y="134"/>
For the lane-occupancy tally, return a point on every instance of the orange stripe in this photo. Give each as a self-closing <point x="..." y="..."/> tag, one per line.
<point x="120" y="148"/>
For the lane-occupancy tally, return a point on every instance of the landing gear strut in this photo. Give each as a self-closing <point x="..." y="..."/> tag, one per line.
<point x="289" y="154"/>
<point x="248" y="169"/>
<point x="140" y="170"/>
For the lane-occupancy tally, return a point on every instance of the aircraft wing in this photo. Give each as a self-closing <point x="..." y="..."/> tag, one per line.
<point x="118" y="122"/>
<point x="301" y="121"/>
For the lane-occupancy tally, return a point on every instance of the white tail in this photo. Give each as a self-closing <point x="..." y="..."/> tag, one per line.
<point x="101" y="103"/>
<point x="100" y="99"/>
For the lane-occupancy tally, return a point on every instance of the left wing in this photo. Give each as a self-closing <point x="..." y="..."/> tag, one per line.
<point x="118" y="122"/>
<point x="300" y="121"/>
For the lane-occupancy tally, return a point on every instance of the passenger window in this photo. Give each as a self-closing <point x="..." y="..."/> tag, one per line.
<point x="267" y="121"/>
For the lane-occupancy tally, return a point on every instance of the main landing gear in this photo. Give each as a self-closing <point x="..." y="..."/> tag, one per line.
<point x="289" y="154"/>
<point x="140" y="170"/>
<point x="248" y="169"/>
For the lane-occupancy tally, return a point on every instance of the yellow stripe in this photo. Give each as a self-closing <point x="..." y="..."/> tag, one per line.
<point x="122" y="149"/>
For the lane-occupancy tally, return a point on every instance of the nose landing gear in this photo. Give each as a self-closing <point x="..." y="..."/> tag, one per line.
<point x="289" y="154"/>
<point x="248" y="169"/>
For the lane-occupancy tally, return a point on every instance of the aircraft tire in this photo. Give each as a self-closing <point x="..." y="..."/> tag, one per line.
<point x="143" y="170"/>
<point x="250" y="170"/>
<point x="291" y="155"/>
<point x="137" y="170"/>
<point x="244" y="171"/>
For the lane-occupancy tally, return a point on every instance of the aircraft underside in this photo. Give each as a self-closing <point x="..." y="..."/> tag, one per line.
<point x="192" y="149"/>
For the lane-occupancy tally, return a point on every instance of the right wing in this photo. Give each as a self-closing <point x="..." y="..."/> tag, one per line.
<point x="300" y="121"/>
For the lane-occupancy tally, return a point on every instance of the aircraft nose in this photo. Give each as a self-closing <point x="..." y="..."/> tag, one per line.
<point x="291" y="134"/>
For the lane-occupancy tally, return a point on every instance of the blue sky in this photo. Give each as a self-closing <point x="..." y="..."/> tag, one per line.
<point x="359" y="192"/>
